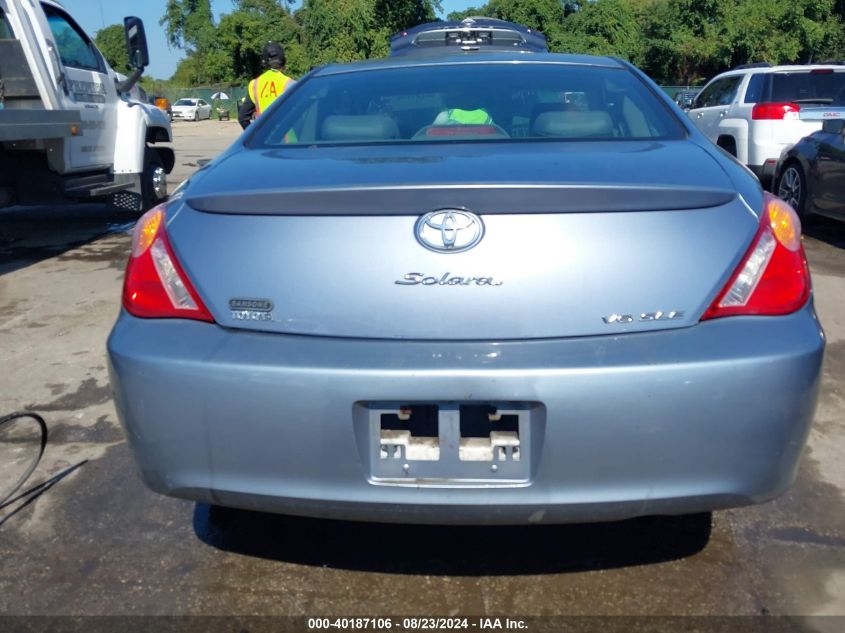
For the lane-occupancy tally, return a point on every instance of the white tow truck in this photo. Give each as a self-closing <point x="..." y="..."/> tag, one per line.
<point x="69" y="129"/>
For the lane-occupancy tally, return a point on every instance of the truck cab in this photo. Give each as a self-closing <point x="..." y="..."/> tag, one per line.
<point x="69" y="128"/>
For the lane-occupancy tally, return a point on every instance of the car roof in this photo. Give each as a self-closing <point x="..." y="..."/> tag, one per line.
<point x="755" y="69"/>
<point x="796" y="67"/>
<point x="470" y="58"/>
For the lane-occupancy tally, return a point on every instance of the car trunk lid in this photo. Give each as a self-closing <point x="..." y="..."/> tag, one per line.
<point x="570" y="246"/>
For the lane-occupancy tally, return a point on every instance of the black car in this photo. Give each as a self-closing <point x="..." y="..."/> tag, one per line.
<point x="811" y="174"/>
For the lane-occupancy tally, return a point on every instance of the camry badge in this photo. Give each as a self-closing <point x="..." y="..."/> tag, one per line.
<point x="449" y="230"/>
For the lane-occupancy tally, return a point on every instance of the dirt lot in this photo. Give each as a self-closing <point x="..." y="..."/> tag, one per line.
<point x="98" y="542"/>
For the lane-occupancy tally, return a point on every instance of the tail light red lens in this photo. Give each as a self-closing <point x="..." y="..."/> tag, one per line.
<point x="773" y="277"/>
<point x="155" y="286"/>
<point x="775" y="111"/>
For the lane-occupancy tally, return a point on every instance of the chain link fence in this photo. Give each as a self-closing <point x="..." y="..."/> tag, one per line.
<point x="210" y="94"/>
<point x="674" y="90"/>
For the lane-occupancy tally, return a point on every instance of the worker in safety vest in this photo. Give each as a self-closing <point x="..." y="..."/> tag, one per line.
<point x="267" y="87"/>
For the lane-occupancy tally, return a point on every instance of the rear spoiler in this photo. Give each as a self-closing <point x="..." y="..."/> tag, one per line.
<point x="485" y="199"/>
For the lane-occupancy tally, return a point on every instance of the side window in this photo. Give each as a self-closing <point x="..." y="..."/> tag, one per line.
<point x="754" y="92"/>
<point x="719" y="93"/>
<point x="74" y="47"/>
<point x="728" y="90"/>
<point x="705" y="98"/>
<point x="202" y="103"/>
<point x="5" y="28"/>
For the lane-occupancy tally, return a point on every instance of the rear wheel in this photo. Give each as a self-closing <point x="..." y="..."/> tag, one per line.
<point x="153" y="180"/>
<point x="792" y="187"/>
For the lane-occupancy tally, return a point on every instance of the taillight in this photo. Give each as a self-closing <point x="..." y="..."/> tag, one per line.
<point x="773" y="277"/>
<point x="775" y="111"/>
<point x="155" y="286"/>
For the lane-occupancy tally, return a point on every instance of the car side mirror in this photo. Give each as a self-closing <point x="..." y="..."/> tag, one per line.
<point x="834" y="126"/>
<point x="136" y="42"/>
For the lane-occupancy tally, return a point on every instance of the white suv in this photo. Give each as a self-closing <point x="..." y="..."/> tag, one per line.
<point x="754" y="112"/>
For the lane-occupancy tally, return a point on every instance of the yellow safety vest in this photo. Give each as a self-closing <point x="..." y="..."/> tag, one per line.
<point x="456" y="116"/>
<point x="266" y="88"/>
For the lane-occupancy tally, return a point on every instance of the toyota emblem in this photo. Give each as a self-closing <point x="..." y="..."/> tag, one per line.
<point x="449" y="230"/>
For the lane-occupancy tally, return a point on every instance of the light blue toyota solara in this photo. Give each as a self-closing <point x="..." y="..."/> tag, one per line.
<point x="489" y="287"/>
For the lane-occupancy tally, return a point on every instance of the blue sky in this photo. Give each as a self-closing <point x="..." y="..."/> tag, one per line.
<point x="92" y="15"/>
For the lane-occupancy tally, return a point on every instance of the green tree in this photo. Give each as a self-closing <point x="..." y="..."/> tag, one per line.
<point x="112" y="44"/>
<point x="778" y="32"/>
<point x="189" y="24"/>
<point x="541" y="15"/>
<point x="243" y="33"/>
<point x="392" y="16"/>
<point x="685" y="40"/>
<point x="607" y="27"/>
<point x="340" y="30"/>
<point x="457" y="16"/>
<point x="675" y="41"/>
<point x="396" y="15"/>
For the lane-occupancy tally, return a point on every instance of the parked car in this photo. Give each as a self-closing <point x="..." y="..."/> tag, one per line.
<point x="427" y="290"/>
<point x="811" y="173"/>
<point x="191" y="110"/>
<point x="756" y="111"/>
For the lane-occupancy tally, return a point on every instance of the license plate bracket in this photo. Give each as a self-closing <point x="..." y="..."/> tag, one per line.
<point x="450" y="443"/>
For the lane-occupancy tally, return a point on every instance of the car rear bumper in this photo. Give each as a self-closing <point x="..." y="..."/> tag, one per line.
<point x="671" y="422"/>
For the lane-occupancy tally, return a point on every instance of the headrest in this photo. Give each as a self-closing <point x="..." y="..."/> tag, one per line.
<point x="573" y="124"/>
<point x="367" y="127"/>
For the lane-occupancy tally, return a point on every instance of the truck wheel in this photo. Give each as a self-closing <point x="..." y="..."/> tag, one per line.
<point x="727" y="143"/>
<point x="153" y="180"/>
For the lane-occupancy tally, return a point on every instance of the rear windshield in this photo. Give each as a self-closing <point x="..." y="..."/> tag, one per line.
<point x="468" y="102"/>
<point x="821" y="86"/>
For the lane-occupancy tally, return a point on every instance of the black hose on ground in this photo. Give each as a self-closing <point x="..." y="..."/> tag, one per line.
<point x="42" y="425"/>
<point x="20" y="500"/>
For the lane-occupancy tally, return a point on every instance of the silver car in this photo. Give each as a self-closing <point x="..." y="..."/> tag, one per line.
<point x="482" y="287"/>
